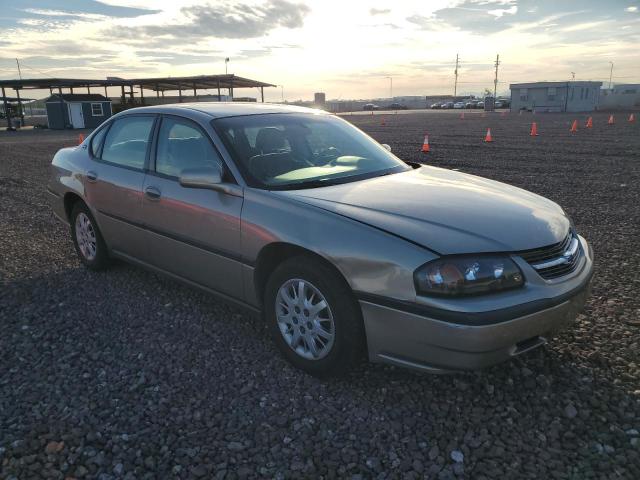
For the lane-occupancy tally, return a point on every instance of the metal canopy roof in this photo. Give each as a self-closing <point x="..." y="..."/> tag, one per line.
<point x="158" y="84"/>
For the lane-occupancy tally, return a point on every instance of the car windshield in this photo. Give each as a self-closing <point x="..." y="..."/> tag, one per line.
<point x="291" y="150"/>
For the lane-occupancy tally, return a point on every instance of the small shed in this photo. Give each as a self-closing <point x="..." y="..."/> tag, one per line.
<point x="77" y="110"/>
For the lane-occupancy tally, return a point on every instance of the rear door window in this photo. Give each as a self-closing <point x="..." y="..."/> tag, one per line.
<point x="127" y="141"/>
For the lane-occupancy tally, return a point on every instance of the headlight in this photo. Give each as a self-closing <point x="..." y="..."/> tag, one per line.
<point x="467" y="275"/>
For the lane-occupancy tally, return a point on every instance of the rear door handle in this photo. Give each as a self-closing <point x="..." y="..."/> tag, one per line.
<point x="92" y="176"/>
<point x="152" y="192"/>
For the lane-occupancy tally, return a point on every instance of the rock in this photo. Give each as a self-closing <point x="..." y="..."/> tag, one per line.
<point x="235" y="446"/>
<point x="457" y="456"/>
<point x="570" y="411"/>
<point x="54" y="447"/>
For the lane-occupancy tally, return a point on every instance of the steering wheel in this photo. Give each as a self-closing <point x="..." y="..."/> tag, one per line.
<point x="330" y="155"/>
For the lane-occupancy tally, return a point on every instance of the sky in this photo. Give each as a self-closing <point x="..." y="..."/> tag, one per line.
<point x="348" y="49"/>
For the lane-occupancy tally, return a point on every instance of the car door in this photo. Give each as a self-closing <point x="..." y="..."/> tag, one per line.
<point x="193" y="233"/>
<point x="114" y="180"/>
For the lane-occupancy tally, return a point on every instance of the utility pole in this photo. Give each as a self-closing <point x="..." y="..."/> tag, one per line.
<point x="455" y="85"/>
<point x="610" y="75"/>
<point x="495" y="80"/>
<point x="19" y="72"/>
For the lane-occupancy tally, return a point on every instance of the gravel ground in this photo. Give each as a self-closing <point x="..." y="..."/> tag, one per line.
<point x="125" y="374"/>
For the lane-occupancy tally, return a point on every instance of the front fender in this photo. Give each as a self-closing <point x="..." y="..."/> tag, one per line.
<point x="371" y="260"/>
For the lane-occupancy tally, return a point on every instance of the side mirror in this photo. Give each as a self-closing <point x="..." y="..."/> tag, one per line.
<point x="206" y="177"/>
<point x="387" y="147"/>
<point x="209" y="178"/>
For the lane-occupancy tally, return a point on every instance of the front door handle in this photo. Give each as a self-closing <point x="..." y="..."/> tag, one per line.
<point x="152" y="193"/>
<point x="92" y="176"/>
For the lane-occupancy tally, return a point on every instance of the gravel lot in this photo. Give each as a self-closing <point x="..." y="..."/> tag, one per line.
<point x="124" y="374"/>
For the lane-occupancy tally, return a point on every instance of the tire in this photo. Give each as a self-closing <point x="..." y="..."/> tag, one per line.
<point x="87" y="239"/>
<point x="293" y="337"/>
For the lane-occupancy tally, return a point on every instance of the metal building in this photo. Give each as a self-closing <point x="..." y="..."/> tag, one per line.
<point x="77" y="110"/>
<point x="555" y="96"/>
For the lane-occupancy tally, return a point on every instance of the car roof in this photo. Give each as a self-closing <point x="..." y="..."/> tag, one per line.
<point x="225" y="109"/>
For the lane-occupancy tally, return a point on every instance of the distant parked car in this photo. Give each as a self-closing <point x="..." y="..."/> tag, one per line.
<point x="458" y="105"/>
<point x="469" y="104"/>
<point x="344" y="248"/>
<point x="447" y="105"/>
<point x="436" y="106"/>
<point x="498" y="104"/>
<point x="370" y="106"/>
<point x="396" y="106"/>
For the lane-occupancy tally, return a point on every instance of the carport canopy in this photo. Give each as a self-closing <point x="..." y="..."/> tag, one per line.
<point x="158" y="85"/>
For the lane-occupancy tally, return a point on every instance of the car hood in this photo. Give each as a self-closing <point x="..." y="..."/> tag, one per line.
<point x="446" y="211"/>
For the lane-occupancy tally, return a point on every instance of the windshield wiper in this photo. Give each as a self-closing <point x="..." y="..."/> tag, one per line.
<point x="316" y="183"/>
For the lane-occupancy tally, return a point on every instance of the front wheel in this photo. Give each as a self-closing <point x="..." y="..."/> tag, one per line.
<point x="314" y="320"/>
<point x="87" y="238"/>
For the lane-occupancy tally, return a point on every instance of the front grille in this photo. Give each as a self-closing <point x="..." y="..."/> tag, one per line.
<point x="555" y="260"/>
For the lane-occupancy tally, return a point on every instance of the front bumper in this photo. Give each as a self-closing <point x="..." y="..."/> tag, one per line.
<point x="407" y="338"/>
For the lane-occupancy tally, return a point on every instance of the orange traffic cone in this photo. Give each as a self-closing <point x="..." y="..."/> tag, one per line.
<point x="589" y="122"/>
<point x="425" y="144"/>
<point x="80" y="139"/>
<point x="462" y="116"/>
<point x="611" y="120"/>
<point x="382" y="124"/>
<point x="632" y="118"/>
<point x="574" y="126"/>
<point x="534" y="129"/>
<point x="488" y="137"/>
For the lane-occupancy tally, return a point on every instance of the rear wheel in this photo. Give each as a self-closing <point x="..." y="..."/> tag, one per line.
<point x="87" y="238"/>
<point x="314" y="320"/>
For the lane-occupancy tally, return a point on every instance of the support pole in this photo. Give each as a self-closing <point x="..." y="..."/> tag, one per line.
<point x="195" y="93"/>
<point x="122" y="97"/>
<point x="157" y="91"/>
<point x="455" y="85"/>
<point x="88" y="89"/>
<point x="231" y="88"/>
<point x="141" y="96"/>
<point x="262" y="93"/>
<point x="20" y="107"/>
<point x="179" y="93"/>
<point x="62" y="112"/>
<point x="71" y="90"/>
<point x="218" y="90"/>
<point x="105" y="91"/>
<point x="6" y="110"/>
<point x="131" y="94"/>
<point x="495" y="80"/>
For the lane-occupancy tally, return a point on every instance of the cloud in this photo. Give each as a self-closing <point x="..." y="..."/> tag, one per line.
<point x="379" y="11"/>
<point x="36" y="13"/>
<point x="226" y="20"/>
<point x="568" y="22"/>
